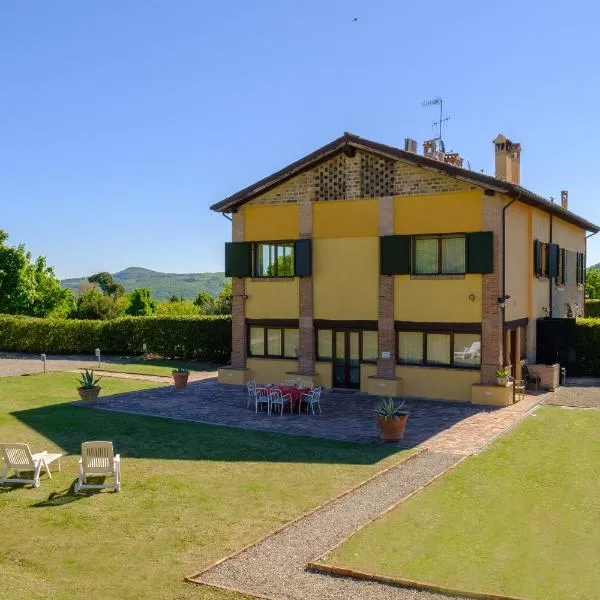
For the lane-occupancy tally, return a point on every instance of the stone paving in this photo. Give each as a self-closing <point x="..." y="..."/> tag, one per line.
<point x="580" y="392"/>
<point x="440" y="426"/>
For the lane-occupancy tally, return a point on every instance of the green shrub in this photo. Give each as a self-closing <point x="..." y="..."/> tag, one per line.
<point x="201" y="338"/>
<point x="587" y="346"/>
<point x="592" y="308"/>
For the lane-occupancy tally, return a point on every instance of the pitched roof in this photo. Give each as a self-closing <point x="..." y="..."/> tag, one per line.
<point x="349" y="140"/>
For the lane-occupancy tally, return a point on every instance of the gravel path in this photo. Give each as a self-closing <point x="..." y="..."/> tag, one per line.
<point x="275" y="567"/>
<point x="25" y="364"/>
<point x="580" y="393"/>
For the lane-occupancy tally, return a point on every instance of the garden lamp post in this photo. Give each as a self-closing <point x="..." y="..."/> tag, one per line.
<point x="43" y="359"/>
<point x="97" y="353"/>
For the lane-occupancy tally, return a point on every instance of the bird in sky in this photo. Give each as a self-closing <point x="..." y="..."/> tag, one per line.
<point x="355" y="20"/>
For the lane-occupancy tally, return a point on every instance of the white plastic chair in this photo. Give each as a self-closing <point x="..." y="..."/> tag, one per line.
<point x="311" y="399"/>
<point x="256" y="394"/>
<point x="18" y="457"/>
<point x="276" y="398"/>
<point x="98" y="460"/>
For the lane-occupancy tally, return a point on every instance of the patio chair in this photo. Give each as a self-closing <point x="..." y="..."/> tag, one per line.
<point x="530" y="377"/>
<point x="473" y="351"/>
<point x="518" y="388"/>
<point x="310" y="400"/>
<point x="98" y="460"/>
<point x="276" y="398"/>
<point x="18" y="457"/>
<point x="256" y="394"/>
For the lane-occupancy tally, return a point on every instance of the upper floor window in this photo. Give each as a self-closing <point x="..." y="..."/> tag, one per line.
<point x="274" y="259"/>
<point x="561" y="276"/>
<point x="440" y="255"/>
<point x="580" y="268"/>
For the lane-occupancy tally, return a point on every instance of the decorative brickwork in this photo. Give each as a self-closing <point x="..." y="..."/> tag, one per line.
<point x="238" y="309"/>
<point x="378" y="175"/>
<point x="331" y="179"/>
<point x="411" y="181"/>
<point x="491" y="326"/>
<point x="295" y="190"/>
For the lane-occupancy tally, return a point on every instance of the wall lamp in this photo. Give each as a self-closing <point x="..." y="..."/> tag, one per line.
<point x="502" y="301"/>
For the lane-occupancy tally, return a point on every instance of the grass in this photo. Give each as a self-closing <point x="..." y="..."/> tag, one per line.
<point x="155" y="367"/>
<point x="520" y="519"/>
<point x="191" y="494"/>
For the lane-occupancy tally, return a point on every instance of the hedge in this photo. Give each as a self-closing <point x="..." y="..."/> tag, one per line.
<point x="202" y="338"/>
<point x="587" y="346"/>
<point x="592" y="308"/>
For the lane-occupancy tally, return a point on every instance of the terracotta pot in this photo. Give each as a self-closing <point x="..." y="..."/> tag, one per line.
<point x="391" y="430"/>
<point x="180" y="380"/>
<point x="90" y="394"/>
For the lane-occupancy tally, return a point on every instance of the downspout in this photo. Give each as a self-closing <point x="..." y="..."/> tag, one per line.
<point x="503" y="297"/>
<point x="227" y="217"/>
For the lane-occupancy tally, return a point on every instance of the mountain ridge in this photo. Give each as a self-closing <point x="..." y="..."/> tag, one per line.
<point x="162" y="285"/>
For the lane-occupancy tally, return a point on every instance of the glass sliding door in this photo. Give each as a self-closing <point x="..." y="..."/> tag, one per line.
<point x="346" y="364"/>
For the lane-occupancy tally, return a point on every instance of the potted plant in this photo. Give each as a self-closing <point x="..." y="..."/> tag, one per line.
<point x="502" y="375"/>
<point x="180" y="377"/>
<point x="391" y="420"/>
<point x="88" y="386"/>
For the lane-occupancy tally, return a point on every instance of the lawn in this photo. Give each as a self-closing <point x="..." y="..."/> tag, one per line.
<point x="155" y="367"/>
<point x="191" y="494"/>
<point x="520" y="519"/>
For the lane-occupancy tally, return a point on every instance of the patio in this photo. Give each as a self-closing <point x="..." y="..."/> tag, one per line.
<point x="443" y="426"/>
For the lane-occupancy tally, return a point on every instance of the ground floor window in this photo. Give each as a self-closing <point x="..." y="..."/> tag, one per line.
<point x="439" y="348"/>
<point x="363" y="345"/>
<point x="279" y="342"/>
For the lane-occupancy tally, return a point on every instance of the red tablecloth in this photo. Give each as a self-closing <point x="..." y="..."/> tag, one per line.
<point x="294" y="393"/>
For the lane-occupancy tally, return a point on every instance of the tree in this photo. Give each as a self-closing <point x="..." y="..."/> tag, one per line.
<point x="205" y="302"/>
<point x="224" y="304"/>
<point x="95" y="305"/>
<point x="29" y="287"/>
<point x="592" y="284"/>
<point x="107" y="284"/>
<point x="140" y="303"/>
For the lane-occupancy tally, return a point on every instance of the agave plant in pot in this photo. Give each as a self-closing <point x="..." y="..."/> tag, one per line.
<point x="391" y="420"/>
<point x="180" y="377"/>
<point x="88" y="386"/>
<point x="502" y="375"/>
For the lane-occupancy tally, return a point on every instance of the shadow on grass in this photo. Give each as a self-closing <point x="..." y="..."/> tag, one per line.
<point x="136" y="436"/>
<point x="66" y="496"/>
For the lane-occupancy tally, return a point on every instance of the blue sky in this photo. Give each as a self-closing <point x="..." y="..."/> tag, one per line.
<point x="121" y="122"/>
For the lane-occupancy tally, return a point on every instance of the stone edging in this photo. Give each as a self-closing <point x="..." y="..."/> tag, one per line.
<point x="407" y="583"/>
<point x="193" y="578"/>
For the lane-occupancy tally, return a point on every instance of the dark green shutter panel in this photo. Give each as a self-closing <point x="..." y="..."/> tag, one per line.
<point x="553" y="260"/>
<point x="565" y="257"/>
<point x="480" y="252"/>
<point x="238" y="259"/>
<point x="537" y="257"/>
<point x="303" y="258"/>
<point x="394" y="254"/>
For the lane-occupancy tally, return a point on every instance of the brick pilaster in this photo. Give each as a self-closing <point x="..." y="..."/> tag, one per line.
<point x="306" y="355"/>
<point x="491" y="322"/>
<point x="238" y="310"/>
<point x="386" y="367"/>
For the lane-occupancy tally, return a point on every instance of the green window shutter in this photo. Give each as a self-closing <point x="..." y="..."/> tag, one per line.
<point x="537" y="257"/>
<point x="238" y="259"/>
<point x="480" y="252"/>
<point x="394" y="254"/>
<point x="553" y="260"/>
<point x="565" y="258"/>
<point x="303" y="258"/>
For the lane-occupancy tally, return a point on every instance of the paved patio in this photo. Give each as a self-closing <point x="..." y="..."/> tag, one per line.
<point x="580" y="392"/>
<point x="439" y="426"/>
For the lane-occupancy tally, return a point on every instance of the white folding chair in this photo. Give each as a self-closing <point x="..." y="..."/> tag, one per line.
<point x="19" y="458"/>
<point x="311" y="399"/>
<point x="98" y="460"/>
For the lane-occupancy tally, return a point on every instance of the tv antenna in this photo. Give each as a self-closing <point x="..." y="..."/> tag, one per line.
<point x="443" y="119"/>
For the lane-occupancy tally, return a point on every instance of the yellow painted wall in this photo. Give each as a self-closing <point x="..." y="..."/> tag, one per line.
<point x="568" y="236"/>
<point x="272" y="299"/>
<point x="346" y="278"/>
<point x="346" y="218"/>
<point x="519" y="269"/>
<point x="325" y="374"/>
<point x="271" y="222"/>
<point x="439" y="213"/>
<point x="366" y="371"/>
<point x="433" y="300"/>
<point x="265" y="370"/>
<point x="437" y="383"/>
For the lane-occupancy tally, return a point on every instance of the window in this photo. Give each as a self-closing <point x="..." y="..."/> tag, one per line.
<point x="274" y="259"/>
<point x="561" y="277"/>
<point x="368" y="341"/>
<point x="369" y="345"/>
<point x="540" y="258"/>
<point x="452" y="349"/>
<point x="324" y="344"/>
<point x="580" y="268"/>
<point x="439" y="255"/>
<point x="273" y="341"/>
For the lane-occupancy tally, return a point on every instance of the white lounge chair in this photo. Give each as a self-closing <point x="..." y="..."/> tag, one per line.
<point x="19" y="458"/>
<point x="98" y="460"/>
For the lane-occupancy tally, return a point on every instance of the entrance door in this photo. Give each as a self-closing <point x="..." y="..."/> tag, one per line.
<point x="346" y="365"/>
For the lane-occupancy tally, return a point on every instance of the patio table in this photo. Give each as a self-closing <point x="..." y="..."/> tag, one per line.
<point x="294" y="392"/>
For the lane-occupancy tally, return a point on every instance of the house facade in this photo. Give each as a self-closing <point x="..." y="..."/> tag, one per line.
<point x="370" y="267"/>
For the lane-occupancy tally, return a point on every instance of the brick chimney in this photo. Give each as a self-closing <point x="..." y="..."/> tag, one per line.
<point x="508" y="159"/>
<point x="564" y="199"/>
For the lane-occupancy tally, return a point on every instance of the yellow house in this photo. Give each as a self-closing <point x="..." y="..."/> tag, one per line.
<point x="366" y="266"/>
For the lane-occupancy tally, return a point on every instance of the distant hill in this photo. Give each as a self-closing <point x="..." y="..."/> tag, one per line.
<point x="162" y="285"/>
<point x="596" y="266"/>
